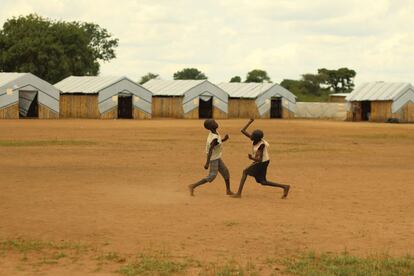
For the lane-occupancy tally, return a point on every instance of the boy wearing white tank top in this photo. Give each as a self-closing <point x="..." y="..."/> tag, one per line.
<point x="261" y="159"/>
<point x="214" y="161"/>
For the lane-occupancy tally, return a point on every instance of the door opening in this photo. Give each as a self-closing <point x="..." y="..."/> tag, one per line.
<point x="365" y="110"/>
<point x="28" y="104"/>
<point x="205" y="108"/>
<point x="276" y="108"/>
<point x="124" y="106"/>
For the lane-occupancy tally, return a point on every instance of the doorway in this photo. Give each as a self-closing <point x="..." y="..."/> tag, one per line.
<point x="124" y="106"/>
<point x="276" y="108"/>
<point x="365" y="110"/>
<point x="205" y="108"/>
<point x="28" y="104"/>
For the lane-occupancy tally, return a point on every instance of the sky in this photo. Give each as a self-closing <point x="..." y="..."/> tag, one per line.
<point x="225" y="38"/>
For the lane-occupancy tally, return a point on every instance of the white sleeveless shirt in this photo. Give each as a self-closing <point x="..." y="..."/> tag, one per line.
<point x="265" y="152"/>
<point x="216" y="154"/>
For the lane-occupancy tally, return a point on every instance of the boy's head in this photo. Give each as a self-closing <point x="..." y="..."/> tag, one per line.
<point x="257" y="135"/>
<point x="210" y="124"/>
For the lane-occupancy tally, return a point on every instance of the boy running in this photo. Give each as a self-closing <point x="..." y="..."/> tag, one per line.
<point x="261" y="161"/>
<point x="214" y="161"/>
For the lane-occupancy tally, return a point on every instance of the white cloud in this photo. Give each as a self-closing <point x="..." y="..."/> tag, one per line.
<point x="230" y="37"/>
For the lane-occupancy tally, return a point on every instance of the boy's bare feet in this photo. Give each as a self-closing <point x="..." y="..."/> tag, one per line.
<point x="230" y="193"/>
<point x="235" y="195"/>
<point x="285" y="192"/>
<point x="191" y="190"/>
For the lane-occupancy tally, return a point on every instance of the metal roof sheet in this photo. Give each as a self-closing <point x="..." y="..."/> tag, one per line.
<point x="378" y="91"/>
<point x="6" y="77"/>
<point x="245" y="90"/>
<point x="86" y="84"/>
<point x="170" y="87"/>
<point x="339" y="94"/>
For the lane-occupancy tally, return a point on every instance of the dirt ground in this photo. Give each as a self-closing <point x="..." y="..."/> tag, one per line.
<point x="123" y="184"/>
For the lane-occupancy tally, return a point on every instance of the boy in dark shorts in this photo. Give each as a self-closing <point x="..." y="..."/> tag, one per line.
<point x="214" y="161"/>
<point x="261" y="161"/>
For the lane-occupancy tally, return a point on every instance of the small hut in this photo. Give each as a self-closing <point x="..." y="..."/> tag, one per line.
<point x="103" y="97"/>
<point x="23" y="95"/>
<point x="338" y="97"/>
<point x="190" y="99"/>
<point x="381" y="101"/>
<point x="259" y="100"/>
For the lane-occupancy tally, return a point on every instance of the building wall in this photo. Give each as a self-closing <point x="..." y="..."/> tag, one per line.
<point x="47" y="113"/>
<point x="382" y="110"/>
<point x="79" y="106"/>
<point x="167" y="107"/>
<point x="316" y="110"/>
<point x="243" y="108"/>
<point x="286" y="114"/>
<point x="140" y="115"/>
<point x="337" y="99"/>
<point x="10" y="112"/>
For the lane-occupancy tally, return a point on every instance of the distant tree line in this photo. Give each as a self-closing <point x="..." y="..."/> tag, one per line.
<point x="54" y="50"/>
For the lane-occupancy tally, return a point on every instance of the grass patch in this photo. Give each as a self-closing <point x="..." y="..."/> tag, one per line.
<point x="230" y="268"/>
<point x="344" y="264"/>
<point x="383" y="136"/>
<point x="43" y="143"/>
<point x="231" y="223"/>
<point x="153" y="265"/>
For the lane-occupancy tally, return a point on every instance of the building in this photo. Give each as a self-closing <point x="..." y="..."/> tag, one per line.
<point x="259" y="100"/>
<point x="103" y="97"/>
<point x="23" y="95"/>
<point x="190" y="99"/>
<point x="338" y="97"/>
<point x="381" y="101"/>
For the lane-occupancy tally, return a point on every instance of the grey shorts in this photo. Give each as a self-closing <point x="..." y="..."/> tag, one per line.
<point x="217" y="166"/>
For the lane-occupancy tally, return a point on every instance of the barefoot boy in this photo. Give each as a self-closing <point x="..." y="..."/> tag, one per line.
<point x="214" y="161"/>
<point x="261" y="161"/>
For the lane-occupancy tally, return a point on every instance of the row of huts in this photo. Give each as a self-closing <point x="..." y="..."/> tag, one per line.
<point x="23" y="95"/>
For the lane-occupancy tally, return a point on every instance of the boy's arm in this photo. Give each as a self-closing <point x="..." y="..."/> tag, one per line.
<point x="226" y="137"/>
<point x="245" y="128"/>
<point x="259" y="154"/>
<point x="210" y="152"/>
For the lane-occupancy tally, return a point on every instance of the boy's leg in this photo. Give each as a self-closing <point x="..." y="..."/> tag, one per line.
<point x="242" y="181"/>
<point x="285" y="187"/>
<point x="211" y="176"/>
<point x="224" y="171"/>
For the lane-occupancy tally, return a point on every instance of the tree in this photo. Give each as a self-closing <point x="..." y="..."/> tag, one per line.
<point x="54" y="50"/>
<point x="312" y="83"/>
<point x="148" y="77"/>
<point x="189" y="74"/>
<point x="340" y="80"/>
<point x="257" y="75"/>
<point x="235" y="79"/>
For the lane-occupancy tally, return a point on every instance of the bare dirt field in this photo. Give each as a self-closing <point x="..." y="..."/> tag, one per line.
<point x="121" y="186"/>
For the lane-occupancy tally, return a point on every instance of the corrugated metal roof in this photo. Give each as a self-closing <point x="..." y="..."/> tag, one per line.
<point x="378" y="91"/>
<point x="339" y="94"/>
<point x="170" y="87"/>
<point x="245" y="90"/>
<point x="85" y="84"/>
<point x="6" y="77"/>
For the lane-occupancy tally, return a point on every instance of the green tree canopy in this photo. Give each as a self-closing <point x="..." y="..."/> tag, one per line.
<point x="54" y="50"/>
<point x="236" y="79"/>
<point x="257" y="75"/>
<point x="148" y="77"/>
<point x="189" y="74"/>
<point x="340" y="80"/>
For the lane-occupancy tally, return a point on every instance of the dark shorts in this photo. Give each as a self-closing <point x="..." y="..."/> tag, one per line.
<point x="258" y="171"/>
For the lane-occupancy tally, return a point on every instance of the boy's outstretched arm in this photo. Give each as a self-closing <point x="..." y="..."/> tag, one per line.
<point x="226" y="137"/>
<point x="244" y="130"/>
<point x="210" y="152"/>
